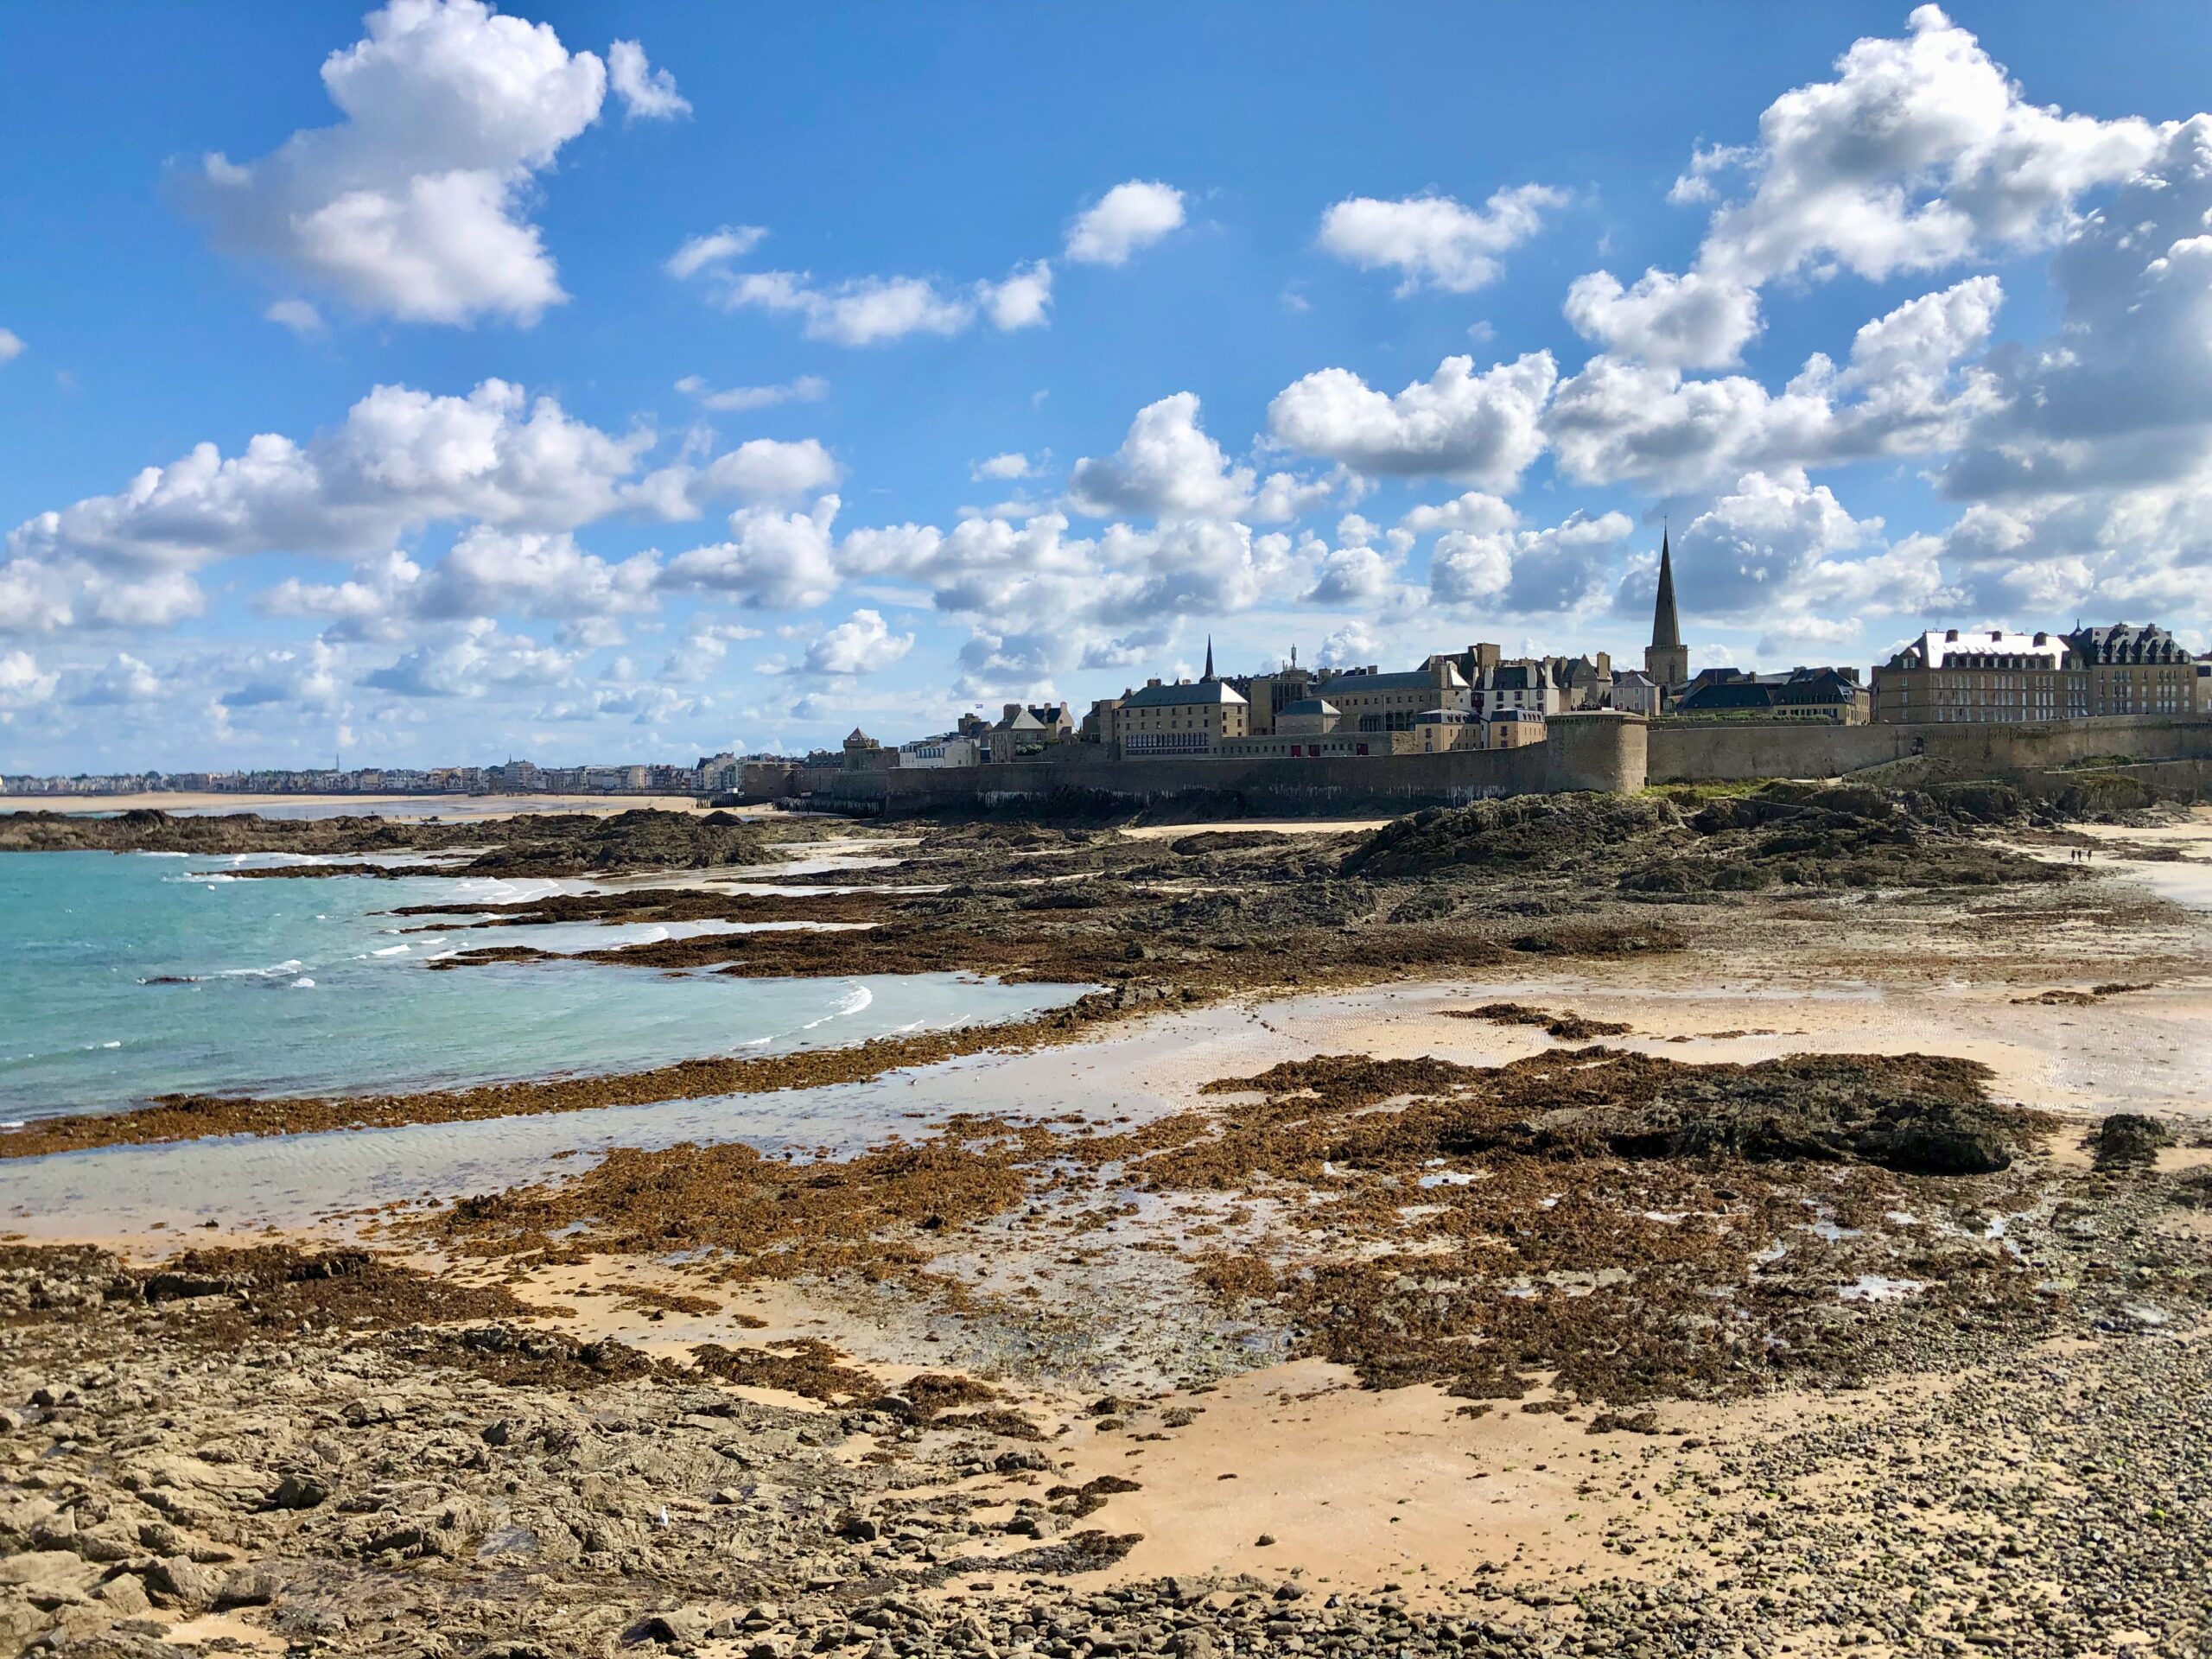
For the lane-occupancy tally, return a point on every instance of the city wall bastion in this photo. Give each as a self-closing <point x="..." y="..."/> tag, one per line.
<point x="1602" y="752"/>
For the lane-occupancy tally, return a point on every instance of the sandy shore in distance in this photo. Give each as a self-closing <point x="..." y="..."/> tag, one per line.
<point x="448" y="806"/>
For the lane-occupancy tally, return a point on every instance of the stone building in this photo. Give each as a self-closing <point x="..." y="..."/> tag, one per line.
<point x="1825" y="694"/>
<point x="1268" y="695"/>
<point x="863" y="753"/>
<point x="1370" y="701"/>
<point x="1515" y="728"/>
<point x="1979" y="677"/>
<point x="1526" y="682"/>
<point x="2134" y="671"/>
<point x="2019" y="677"/>
<point x="1327" y="745"/>
<point x="1023" y="731"/>
<point x="1584" y="682"/>
<point x="1182" y="719"/>
<point x="1635" y="692"/>
<point x="1310" y="717"/>
<point x="1439" y="730"/>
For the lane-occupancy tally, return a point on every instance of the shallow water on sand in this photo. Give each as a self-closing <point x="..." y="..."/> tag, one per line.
<point x="134" y="975"/>
<point x="2153" y="1045"/>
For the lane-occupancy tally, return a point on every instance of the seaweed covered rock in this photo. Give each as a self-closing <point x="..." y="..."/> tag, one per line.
<point x="570" y="844"/>
<point x="1526" y="832"/>
<point x="146" y="830"/>
<point x="1843" y="836"/>
<point x="551" y="844"/>
<point x="1917" y="1114"/>
<point x="2128" y="1140"/>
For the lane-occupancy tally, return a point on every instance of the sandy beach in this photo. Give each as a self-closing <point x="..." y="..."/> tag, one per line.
<point x="1364" y="1312"/>
<point x="490" y="807"/>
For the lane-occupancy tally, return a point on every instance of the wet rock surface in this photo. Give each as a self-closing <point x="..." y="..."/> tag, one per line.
<point x="2127" y="1140"/>
<point x="1992" y="1358"/>
<point x="1629" y="1228"/>
<point x="536" y="844"/>
<point x="388" y="1475"/>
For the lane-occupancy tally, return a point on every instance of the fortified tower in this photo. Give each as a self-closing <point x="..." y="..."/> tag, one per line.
<point x="1666" y="660"/>
<point x="1596" y="749"/>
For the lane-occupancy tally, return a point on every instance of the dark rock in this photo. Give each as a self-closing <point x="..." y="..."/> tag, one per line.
<point x="2129" y="1140"/>
<point x="299" y="1490"/>
<point x="247" y="1587"/>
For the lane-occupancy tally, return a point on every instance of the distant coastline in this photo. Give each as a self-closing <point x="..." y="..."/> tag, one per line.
<point x="450" y="805"/>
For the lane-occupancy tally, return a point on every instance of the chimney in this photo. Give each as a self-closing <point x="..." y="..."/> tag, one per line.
<point x="1153" y="681"/>
<point x="1951" y="636"/>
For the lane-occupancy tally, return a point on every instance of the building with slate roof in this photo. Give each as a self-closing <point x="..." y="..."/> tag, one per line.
<point x="1368" y="701"/>
<point x="1824" y="694"/>
<point x="1185" y="718"/>
<point x="2134" y="671"/>
<point x="1997" y="676"/>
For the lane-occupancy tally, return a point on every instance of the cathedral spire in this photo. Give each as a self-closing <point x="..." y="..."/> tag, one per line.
<point x="1666" y="659"/>
<point x="1208" y="679"/>
<point x="1666" y="625"/>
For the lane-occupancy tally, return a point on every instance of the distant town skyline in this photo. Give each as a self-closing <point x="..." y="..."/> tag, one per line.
<point x="448" y="382"/>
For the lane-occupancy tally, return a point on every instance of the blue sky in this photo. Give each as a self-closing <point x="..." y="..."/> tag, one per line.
<point x="356" y="387"/>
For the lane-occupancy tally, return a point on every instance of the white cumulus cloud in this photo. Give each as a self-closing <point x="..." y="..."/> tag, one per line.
<point x="1480" y="427"/>
<point x="647" y="93"/>
<point x="1166" y="466"/>
<point x="1692" y="321"/>
<point x="1130" y="217"/>
<point x="414" y="206"/>
<point x="1919" y="153"/>
<point x="1435" y="241"/>
<point x="863" y="644"/>
<point x="22" y="683"/>
<point x="771" y="562"/>
<point x="1021" y="300"/>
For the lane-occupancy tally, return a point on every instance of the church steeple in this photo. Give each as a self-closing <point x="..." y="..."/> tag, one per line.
<point x="1666" y="660"/>
<point x="1207" y="679"/>
<point x="1666" y="625"/>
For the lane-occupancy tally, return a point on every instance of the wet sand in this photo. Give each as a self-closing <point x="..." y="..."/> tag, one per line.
<point x="2153" y="1048"/>
<point x="1779" y="1514"/>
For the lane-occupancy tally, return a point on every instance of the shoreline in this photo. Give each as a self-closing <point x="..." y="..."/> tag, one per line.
<point x="486" y="808"/>
<point x="2066" y="1055"/>
<point x="1077" y="1463"/>
<point x="1488" y="1310"/>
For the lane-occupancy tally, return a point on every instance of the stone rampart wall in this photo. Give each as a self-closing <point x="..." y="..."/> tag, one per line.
<point x="1725" y="752"/>
<point x="1583" y="751"/>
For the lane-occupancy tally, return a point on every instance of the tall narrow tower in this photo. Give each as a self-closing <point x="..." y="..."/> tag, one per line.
<point x="1666" y="660"/>
<point x="1208" y="679"/>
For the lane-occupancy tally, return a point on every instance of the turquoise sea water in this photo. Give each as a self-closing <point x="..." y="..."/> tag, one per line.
<point x="287" y="986"/>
